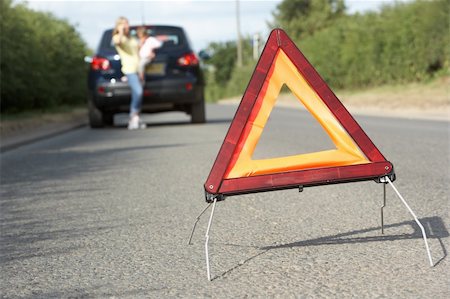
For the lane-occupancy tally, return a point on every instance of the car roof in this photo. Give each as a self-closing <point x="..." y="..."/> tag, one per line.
<point x="151" y="26"/>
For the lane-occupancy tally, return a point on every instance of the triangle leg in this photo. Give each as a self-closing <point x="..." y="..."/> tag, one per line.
<point x="208" y="269"/>
<point x="195" y="224"/>
<point x="382" y="207"/>
<point x="424" y="235"/>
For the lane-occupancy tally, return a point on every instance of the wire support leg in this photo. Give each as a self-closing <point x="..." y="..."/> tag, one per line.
<point x="382" y="207"/>
<point x="424" y="235"/>
<point x="208" y="269"/>
<point x="196" y="221"/>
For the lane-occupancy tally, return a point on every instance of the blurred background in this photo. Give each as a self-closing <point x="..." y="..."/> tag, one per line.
<point x="355" y="45"/>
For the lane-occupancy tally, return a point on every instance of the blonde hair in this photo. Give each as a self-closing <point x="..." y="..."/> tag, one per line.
<point x="119" y="21"/>
<point x="141" y="30"/>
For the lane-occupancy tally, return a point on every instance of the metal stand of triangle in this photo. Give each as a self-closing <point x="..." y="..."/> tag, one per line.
<point x="384" y="180"/>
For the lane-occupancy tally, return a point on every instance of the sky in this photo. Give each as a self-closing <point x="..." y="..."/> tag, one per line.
<point x="205" y="21"/>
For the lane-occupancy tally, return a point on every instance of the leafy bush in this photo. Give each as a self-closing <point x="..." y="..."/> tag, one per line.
<point x="41" y="60"/>
<point x="403" y="42"/>
<point x="223" y="77"/>
<point x="240" y="77"/>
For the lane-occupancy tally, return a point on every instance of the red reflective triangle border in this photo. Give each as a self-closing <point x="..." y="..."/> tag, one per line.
<point x="216" y="184"/>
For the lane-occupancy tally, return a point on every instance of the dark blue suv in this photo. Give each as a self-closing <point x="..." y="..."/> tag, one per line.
<point x="173" y="80"/>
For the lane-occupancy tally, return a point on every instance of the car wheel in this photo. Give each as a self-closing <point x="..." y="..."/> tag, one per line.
<point x="108" y="118"/>
<point x="97" y="118"/>
<point x="198" y="113"/>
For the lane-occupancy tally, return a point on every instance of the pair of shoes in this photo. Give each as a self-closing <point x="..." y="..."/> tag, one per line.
<point x="135" y="123"/>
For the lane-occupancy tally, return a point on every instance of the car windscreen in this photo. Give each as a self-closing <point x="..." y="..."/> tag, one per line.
<point x="172" y="38"/>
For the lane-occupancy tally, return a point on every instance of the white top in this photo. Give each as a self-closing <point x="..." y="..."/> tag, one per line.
<point x="149" y="45"/>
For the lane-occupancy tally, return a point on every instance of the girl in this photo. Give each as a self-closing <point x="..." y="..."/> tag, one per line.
<point x="146" y="50"/>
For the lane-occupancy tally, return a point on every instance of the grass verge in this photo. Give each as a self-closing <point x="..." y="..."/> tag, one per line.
<point x="17" y="123"/>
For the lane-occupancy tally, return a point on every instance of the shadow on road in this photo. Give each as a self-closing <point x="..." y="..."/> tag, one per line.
<point x="434" y="227"/>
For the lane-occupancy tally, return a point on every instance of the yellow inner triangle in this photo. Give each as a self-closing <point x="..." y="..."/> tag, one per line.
<point x="345" y="153"/>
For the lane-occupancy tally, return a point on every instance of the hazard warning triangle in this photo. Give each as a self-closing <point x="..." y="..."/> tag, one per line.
<point x="355" y="157"/>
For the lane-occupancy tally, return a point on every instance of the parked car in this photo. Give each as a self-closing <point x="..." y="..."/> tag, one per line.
<point x="173" y="81"/>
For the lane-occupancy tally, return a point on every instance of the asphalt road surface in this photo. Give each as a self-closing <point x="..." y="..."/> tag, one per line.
<point x="108" y="213"/>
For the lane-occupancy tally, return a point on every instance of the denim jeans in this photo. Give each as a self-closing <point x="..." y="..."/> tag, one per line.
<point x="136" y="93"/>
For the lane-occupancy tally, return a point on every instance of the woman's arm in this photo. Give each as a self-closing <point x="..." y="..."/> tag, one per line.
<point x="119" y="37"/>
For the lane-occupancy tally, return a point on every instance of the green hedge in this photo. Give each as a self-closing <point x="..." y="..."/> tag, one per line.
<point x="403" y="42"/>
<point x="42" y="63"/>
<point x="223" y="78"/>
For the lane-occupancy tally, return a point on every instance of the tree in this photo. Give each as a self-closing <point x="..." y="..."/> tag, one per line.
<point x="302" y="18"/>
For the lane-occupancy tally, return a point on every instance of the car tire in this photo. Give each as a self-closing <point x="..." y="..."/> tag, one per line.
<point x="198" y="115"/>
<point x="108" y="118"/>
<point x="96" y="117"/>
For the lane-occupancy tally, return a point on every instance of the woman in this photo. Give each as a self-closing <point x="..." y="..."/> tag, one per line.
<point x="128" y="49"/>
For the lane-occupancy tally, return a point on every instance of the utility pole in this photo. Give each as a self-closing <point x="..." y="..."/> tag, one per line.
<point x="239" y="38"/>
<point x="143" y="12"/>
<point x="255" y="46"/>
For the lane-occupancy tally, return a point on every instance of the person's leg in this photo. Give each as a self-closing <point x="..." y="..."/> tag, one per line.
<point x="136" y="94"/>
<point x="136" y="100"/>
<point x="142" y="64"/>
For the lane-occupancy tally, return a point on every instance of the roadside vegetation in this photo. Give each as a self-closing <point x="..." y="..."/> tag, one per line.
<point x="403" y="42"/>
<point x="42" y="65"/>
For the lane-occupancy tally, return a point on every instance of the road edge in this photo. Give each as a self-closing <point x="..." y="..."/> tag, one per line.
<point x="43" y="132"/>
<point x="442" y="114"/>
